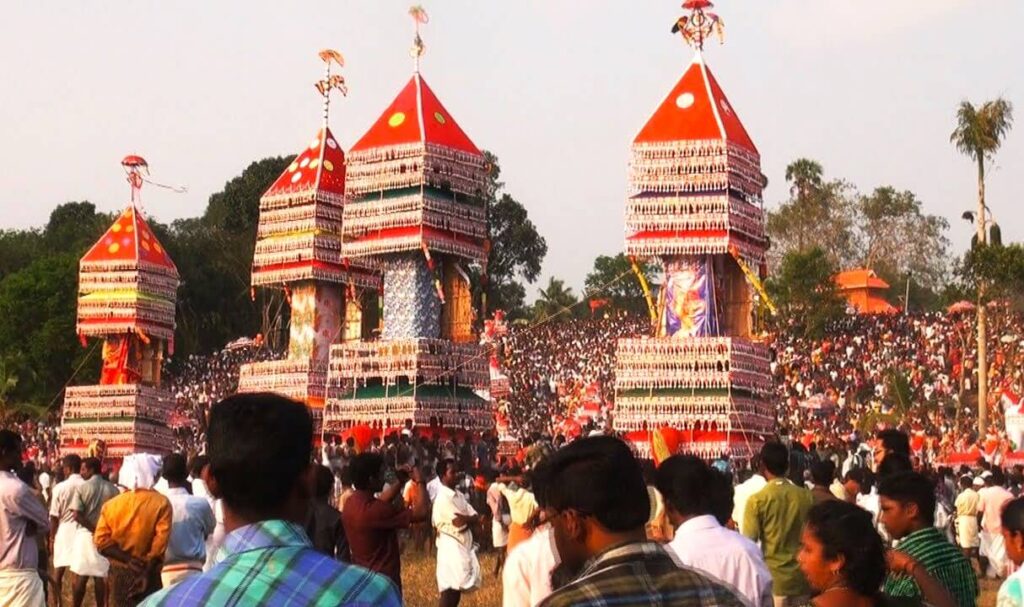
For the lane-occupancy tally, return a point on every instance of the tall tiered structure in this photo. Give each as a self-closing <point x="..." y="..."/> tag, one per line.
<point x="298" y="249"/>
<point x="126" y="296"/>
<point x="699" y="384"/>
<point x="417" y="189"/>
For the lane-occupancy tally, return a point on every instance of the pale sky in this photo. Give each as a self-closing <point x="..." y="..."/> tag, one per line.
<point x="556" y="88"/>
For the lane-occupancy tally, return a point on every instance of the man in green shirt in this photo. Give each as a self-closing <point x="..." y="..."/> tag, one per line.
<point x="86" y="561"/>
<point x="907" y="502"/>
<point x="775" y="517"/>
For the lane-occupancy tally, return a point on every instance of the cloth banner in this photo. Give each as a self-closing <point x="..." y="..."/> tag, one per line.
<point x="1014" y="417"/>
<point x="689" y="298"/>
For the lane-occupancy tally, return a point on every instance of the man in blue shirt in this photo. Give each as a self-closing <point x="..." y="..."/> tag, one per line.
<point x="260" y="448"/>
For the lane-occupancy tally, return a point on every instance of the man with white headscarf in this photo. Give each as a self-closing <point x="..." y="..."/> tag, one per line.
<point x="133" y="532"/>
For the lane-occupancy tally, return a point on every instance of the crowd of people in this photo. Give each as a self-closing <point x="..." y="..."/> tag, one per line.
<point x="255" y="521"/>
<point x="913" y="371"/>
<point x="198" y="381"/>
<point x="557" y="367"/>
<point x="829" y="476"/>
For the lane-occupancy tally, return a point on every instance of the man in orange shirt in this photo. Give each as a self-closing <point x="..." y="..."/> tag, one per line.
<point x="133" y="532"/>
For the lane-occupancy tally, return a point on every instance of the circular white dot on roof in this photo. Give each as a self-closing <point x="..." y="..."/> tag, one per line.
<point x="331" y="143"/>
<point x="297" y="176"/>
<point x="684" y="101"/>
<point x="314" y="144"/>
<point x="725" y="106"/>
<point x="304" y="163"/>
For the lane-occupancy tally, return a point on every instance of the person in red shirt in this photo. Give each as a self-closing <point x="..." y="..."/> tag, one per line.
<point x="372" y="523"/>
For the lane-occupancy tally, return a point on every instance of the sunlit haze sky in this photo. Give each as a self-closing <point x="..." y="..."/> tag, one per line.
<point x="556" y="88"/>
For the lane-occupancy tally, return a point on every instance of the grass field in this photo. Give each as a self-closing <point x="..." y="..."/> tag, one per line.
<point x="420" y="585"/>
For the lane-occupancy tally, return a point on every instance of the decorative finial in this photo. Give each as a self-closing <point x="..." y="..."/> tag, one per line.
<point x="137" y="170"/>
<point x="419" y="17"/>
<point x="134" y="167"/>
<point x="331" y="81"/>
<point x="699" y="24"/>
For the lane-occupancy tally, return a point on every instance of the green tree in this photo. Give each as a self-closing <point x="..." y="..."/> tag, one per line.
<point x="818" y="213"/>
<point x="8" y="381"/>
<point x="214" y="258"/>
<point x="555" y="301"/>
<point x="612" y="279"/>
<point x="979" y="134"/>
<point x="18" y="248"/>
<point x="517" y="249"/>
<point x="73" y="227"/>
<point x="236" y="208"/>
<point x="805" y="291"/>
<point x="898" y="239"/>
<point x="37" y="328"/>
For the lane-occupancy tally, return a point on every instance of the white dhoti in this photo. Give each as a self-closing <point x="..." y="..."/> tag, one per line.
<point x="457" y="565"/>
<point x="967" y="531"/>
<point x="63" y="543"/>
<point x="85" y="559"/>
<point x="21" y="588"/>
<point x="499" y="534"/>
<point x="993" y="547"/>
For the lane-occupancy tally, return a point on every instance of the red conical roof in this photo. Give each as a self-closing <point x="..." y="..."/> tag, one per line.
<point x="416" y="116"/>
<point x="695" y="109"/>
<point x="319" y="167"/>
<point x="129" y="242"/>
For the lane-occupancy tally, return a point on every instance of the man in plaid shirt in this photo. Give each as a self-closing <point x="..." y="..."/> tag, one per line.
<point x="260" y="448"/>
<point x="596" y="501"/>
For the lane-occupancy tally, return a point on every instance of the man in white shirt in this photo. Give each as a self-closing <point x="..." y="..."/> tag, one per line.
<point x="751" y="485"/>
<point x="526" y="579"/>
<point x="694" y="495"/>
<point x="63" y="527"/>
<point x="22" y="525"/>
<point x="192" y="523"/>
<point x="458" y="569"/>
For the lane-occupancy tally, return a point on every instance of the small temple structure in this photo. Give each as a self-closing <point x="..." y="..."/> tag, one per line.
<point x="864" y="291"/>
<point x="699" y="383"/>
<point x="127" y="291"/>
<point x="416" y="210"/>
<point x="298" y="250"/>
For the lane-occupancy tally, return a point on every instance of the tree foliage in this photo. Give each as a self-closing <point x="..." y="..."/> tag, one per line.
<point x="819" y="213"/>
<point x="886" y="230"/>
<point x="980" y="131"/>
<point x="805" y="292"/>
<point x="897" y="238"/>
<point x="555" y="302"/>
<point x="517" y="250"/>
<point x="613" y="281"/>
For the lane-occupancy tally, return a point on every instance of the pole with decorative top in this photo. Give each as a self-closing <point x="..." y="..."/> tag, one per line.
<point x="331" y="82"/>
<point x="699" y="24"/>
<point x="419" y="17"/>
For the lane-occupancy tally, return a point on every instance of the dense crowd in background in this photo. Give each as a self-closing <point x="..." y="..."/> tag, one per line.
<point x="554" y="368"/>
<point x="201" y="380"/>
<point x="828" y="389"/>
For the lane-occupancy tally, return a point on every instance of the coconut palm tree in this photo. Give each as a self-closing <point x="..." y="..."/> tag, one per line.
<point x="554" y="300"/>
<point x="978" y="135"/>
